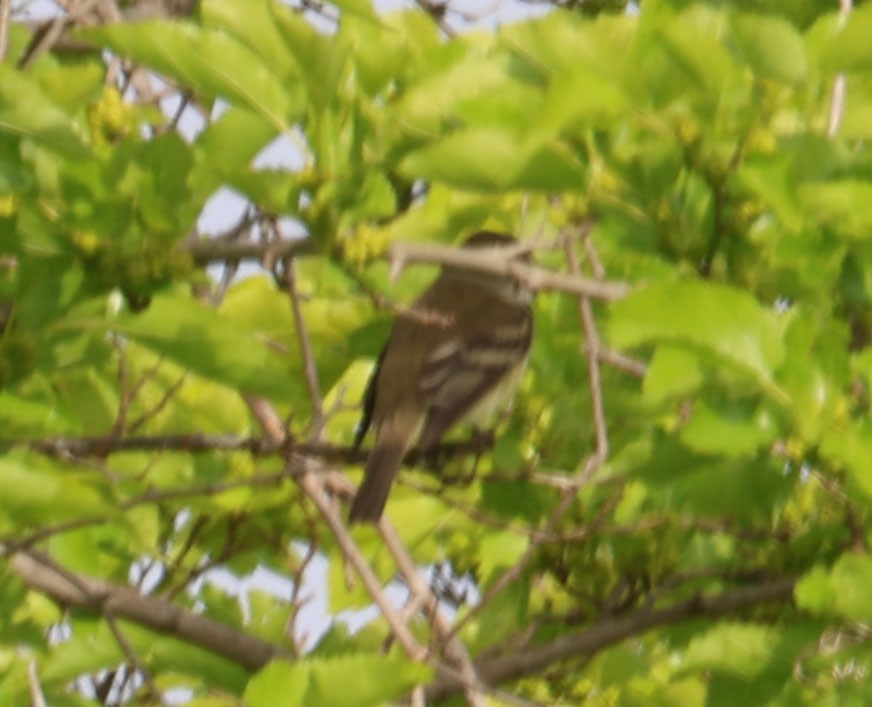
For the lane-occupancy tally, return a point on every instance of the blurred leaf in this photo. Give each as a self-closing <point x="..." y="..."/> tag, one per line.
<point x="832" y="204"/>
<point x="846" y="47"/>
<point x="439" y="97"/>
<point x="849" y="579"/>
<point x="730" y="431"/>
<point x="253" y="23"/>
<point x="491" y="159"/>
<point x="697" y="53"/>
<point x="348" y="681"/>
<point x="772" y="47"/>
<point x="578" y="99"/>
<point x="26" y="111"/>
<point x="37" y="490"/>
<point x="814" y="592"/>
<point x="500" y="550"/>
<point x="208" y="60"/>
<point x="673" y="372"/>
<point x="773" y="179"/>
<point x="86" y="651"/>
<point x="319" y="60"/>
<point x="231" y="142"/>
<point x="358" y="8"/>
<point x="722" y="321"/>
<point x="739" y="649"/>
<point x="206" y="342"/>
<point x="850" y="447"/>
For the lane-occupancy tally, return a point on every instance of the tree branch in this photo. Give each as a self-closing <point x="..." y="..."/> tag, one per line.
<point x="83" y="447"/>
<point x="613" y="630"/>
<point x="43" y="575"/>
<point x="209" y="250"/>
<point x="535" y="278"/>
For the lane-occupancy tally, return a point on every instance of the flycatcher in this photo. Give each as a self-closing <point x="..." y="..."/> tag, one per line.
<point x="458" y="357"/>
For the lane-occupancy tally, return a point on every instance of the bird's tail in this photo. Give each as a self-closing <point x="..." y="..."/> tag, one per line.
<point x="392" y="442"/>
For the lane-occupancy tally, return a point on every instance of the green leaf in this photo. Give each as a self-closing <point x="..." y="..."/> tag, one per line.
<point x="561" y="41"/>
<point x="14" y="176"/>
<point x="773" y="179"/>
<point x="500" y="616"/>
<point x="725" y="322"/>
<point x="743" y="650"/>
<point x="72" y="82"/>
<point x="209" y="344"/>
<point x="152" y="175"/>
<point x="269" y="615"/>
<point x="224" y="152"/>
<point x="20" y="415"/>
<point x="392" y="49"/>
<point x="233" y="140"/>
<point x="358" y="8"/>
<point x="695" y="47"/>
<point x="42" y="491"/>
<point x="320" y="61"/>
<point x="357" y="680"/>
<point x="673" y="372"/>
<point x="273" y="190"/>
<point x="676" y="477"/>
<point x="578" y="99"/>
<point x="835" y="204"/>
<point x="492" y="159"/>
<point x="772" y="47"/>
<point x="814" y="592"/>
<point x="849" y="446"/>
<point x="291" y="681"/>
<point x="434" y="100"/>
<point x="26" y="111"/>
<point x="97" y="550"/>
<point x="252" y="23"/>
<point x="847" y="46"/>
<point x="815" y="372"/>
<point x="210" y="61"/>
<point x="730" y="431"/>
<point x="87" y="650"/>
<point x="850" y="579"/>
<point x="499" y="550"/>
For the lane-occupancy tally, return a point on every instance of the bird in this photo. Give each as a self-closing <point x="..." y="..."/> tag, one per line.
<point x="457" y="356"/>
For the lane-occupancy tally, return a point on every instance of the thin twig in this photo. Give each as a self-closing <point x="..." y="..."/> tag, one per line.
<point x="454" y="649"/>
<point x="54" y="30"/>
<point x="151" y="688"/>
<point x="77" y="449"/>
<point x="37" y="697"/>
<point x="621" y="361"/>
<point x="591" y="465"/>
<point x="310" y="367"/>
<point x="312" y="486"/>
<point x="5" y="18"/>
<point x="125" y="392"/>
<point x="436" y="11"/>
<point x="11" y="544"/>
<point x="840" y="84"/>
<point x="612" y="630"/>
<point x="591" y="351"/>
<point x="296" y="600"/>
<point x="534" y="278"/>
<point x="165" y="399"/>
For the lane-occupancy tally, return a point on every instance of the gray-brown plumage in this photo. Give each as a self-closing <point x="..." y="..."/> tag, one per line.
<point x="435" y="371"/>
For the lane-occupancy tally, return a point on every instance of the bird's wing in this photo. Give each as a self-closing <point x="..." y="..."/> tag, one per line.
<point x="369" y="401"/>
<point x="459" y="372"/>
